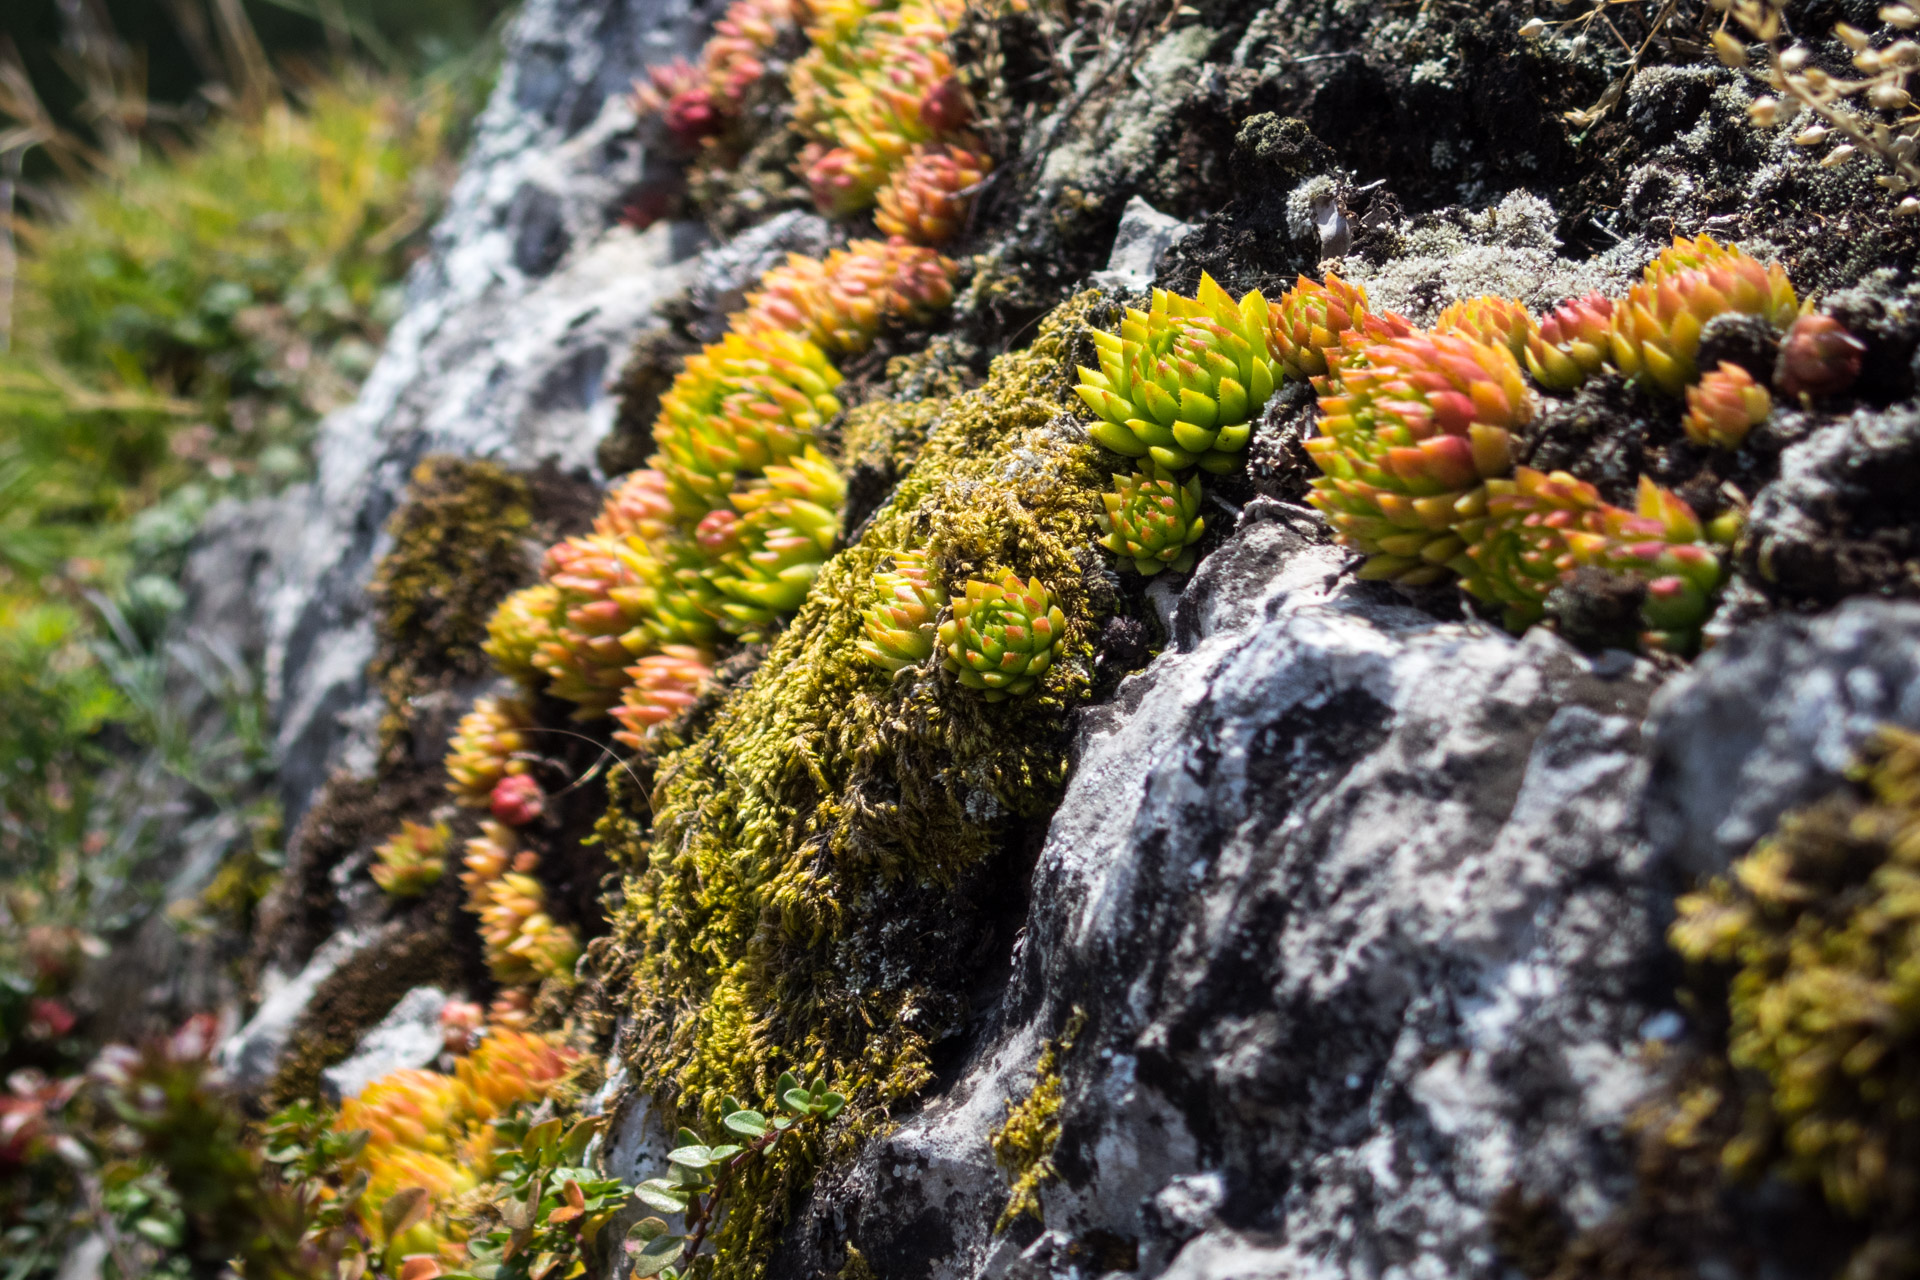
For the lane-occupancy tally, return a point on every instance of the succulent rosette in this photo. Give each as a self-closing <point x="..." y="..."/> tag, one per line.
<point x="517" y="800"/>
<point x="926" y="200"/>
<point x="1724" y="405"/>
<point x="682" y="606"/>
<point x="1487" y="319"/>
<point x="841" y="303"/>
<point x="900" y="625"/>
<point x="788" y="524"/>
<point x="522" y="942"/>
<point x="490" y="855"/>
<point x="602" y="628"/>
<point x="485" y="748"/>
<point x="1408" y="435"/>
<point x="1818" y="357"/>
<point x="743" y="403"/>
<point x="1181" y="383"/>
<point x="412" y="860"/>
<point x="637" y="506"/>
<point x="520" y="624"/>
<point x="664" y="685"/>
<point x="1001" y="636"/>
<point x="1656" y="332"/>
<point x="1571" y="343"/>
<point x="1539" y="528"/>
<point x="1308" y="321"/>
<point x="1153" y="521"/>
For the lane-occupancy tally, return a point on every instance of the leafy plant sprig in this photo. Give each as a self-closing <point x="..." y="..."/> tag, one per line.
<point x="698" y="1175"/>
<point x="552" y="1207"/>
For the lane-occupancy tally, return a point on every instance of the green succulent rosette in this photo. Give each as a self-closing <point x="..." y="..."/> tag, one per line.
<point x="786" y="529"/>
<point x="1153" y="521"/>
<point x="1182" y="382"/>
<point x="900" y="628"/>
<point x="1002" y="636"/>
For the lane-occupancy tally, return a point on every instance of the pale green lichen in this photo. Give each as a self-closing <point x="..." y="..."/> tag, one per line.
<point x="1024" y="1144"/>
<point x="756" y="931"/>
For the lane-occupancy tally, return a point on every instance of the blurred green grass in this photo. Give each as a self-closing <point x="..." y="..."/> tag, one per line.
<point x="191" y="292"/>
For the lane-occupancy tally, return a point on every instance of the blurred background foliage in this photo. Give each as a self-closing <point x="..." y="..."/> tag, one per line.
<point x="207" y="212"/>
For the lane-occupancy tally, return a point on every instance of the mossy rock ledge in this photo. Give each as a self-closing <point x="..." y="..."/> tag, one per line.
<point x="1293" y="924"/>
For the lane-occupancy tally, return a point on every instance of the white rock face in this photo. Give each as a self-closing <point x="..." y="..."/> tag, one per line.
<point x="409" y="1036"/>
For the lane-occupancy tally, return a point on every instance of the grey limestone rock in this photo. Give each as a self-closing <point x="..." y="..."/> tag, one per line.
<point x="409" y="1036"/>
<point x="1769" y="720"/>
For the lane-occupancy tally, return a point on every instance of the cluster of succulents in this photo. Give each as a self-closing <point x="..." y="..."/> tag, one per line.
<point x="1656" y="329"/>
<point x="1539" y="529"/>
<point x="522" y="941"/>
<point x="1415" y="442"/>
<point x="887" y="118"/>
<point x="412" y="860"/>
<point x="697" y="103"/>
<point x="1815" y="932"/>
<point x="998" y="637"/>
<point x="432" y="1138"/>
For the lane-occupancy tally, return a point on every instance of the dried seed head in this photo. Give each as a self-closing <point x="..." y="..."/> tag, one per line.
<point x="1838" y="156"/>
<point x="1899" y="15"/>
<point x="1907" y="208"/>
<point x="1853" y="37"/>
<point x="1811" y="137"/>
<point x="1888" y="97"/>
<point x="1794" y="59"/>
<point x="1728" y="47"/>
<point x="1764" y="112"/>
<point x="1533" y="28"/>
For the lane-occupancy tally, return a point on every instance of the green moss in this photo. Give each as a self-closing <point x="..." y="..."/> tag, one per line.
<point x="785" y="908"/>
<point x="1820" y="928"/>
<point x="1024" y="1144"/>
<point x="458" y="549"/>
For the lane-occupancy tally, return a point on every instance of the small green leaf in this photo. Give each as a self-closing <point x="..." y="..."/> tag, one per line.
<point x="692" y="1157"/>
<point x="540" y="1140"/>
<point x="686" y="1138"/>
<point x="723" y="1153"/>
<point x="655" y="1256"/>
<point x="647" y="1229"/>
<point x="574" y="1146"/>
<point x="798" y="1101"/>
<point x="657" y="1193"/>
<point x="404" y="1210"/>
<point x="731" y="1104"/>
<point x="787" y="1081"/>
<point x="832" y="1105"/>
<point x="782" y="1123"/>
<point x="749" y="1124"/>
